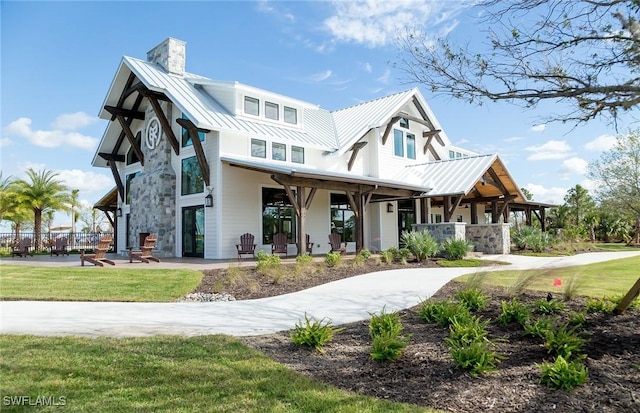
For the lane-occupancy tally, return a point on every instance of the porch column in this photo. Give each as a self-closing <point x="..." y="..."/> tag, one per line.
<point x="302" y="217"/>
<point x="474" y="213"/>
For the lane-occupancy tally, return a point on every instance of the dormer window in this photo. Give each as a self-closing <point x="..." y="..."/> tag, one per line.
<point x="251" y="106"/>
<point x="290" y="115"/>
<point x="271" y="110"/>
<point x="404" y="123"/>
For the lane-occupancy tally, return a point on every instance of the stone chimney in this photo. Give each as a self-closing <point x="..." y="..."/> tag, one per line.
<point x="170" y="54"/>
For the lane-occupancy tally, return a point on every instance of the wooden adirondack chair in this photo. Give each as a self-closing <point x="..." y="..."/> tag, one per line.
<point x="309" y="245"/>
<point x="145" y="253"/>
<point x="246" y="246"/>
<point x="60" y="247"/>
<point x="336" y="243"/>
<point x="99" y="258"/>
<point x="280" y="244"/>
<point x="22" y="248"/>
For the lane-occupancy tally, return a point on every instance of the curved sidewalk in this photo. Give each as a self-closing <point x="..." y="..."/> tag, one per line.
<point x="343" y="301"/>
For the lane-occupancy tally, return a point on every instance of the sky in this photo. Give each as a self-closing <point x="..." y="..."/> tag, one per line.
<point x="58" y="60"/>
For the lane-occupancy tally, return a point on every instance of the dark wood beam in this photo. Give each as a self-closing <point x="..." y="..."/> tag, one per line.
<point x="497" y="183"/>
<point x="123" y="97"/>
<point x="120" y="140"/>
<point x="138" y="87"/>
<point x="111" y="157"/>
<point x="340" y="186"/>
<point x="132" y="114"/>
<point x="385" y="136"/>
<point x="164" y="122"/>
<point x="474" y="213"/>
<point x="197" y="146"/>
<point x="355" y="148"/>
<point x="132" y="139"/>
<point x="116" y="178"/>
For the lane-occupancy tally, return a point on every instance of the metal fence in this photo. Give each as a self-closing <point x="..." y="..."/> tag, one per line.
<point x="75" y="240"/>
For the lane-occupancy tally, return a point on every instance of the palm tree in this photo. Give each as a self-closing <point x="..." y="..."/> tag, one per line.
<point x="10" y="209"/>
<point x="42" y="192"/>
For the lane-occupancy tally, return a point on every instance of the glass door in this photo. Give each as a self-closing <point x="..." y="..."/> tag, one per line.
<point x="406" y="217"/>
<point x="193" y="231"/>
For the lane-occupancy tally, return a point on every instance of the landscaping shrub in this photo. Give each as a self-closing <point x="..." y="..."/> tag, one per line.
<point x="548" y="307"/>
<point x="514" y="311"/>
<point x="443" y="312"/>
<point x="365" y="253"/>
<point x="522" y="281"/>
<point x="385" y="323"/>
<point x="420" y="243"/>
<point x="570" y="289"/>
<point x="564" y="341"/>
<point x="476" y="358"/>
<point x="600" y="305"/>
<point x="532" y="238"/>
<point x="563" y="374"/>
<point x="539" y="327"/>
<point x="387" y="255"/>
<point x="313" y="333"/>
<point x="269" y="265"/>
<point x="332" y="259"/>
<point x="388" y="346"/>
<point x="577" y="318"/>
<point x="456" y="249"/>
<point x="303" y="264"/>
<point x="468" y="330"/>
<point x="472" y="298"/>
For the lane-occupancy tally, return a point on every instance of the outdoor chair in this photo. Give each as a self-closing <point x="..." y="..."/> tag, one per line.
<point x="335" y="241"/>
<point x="60" y="247"/>
<point x="309" y="245"/>
<point x="280" y="244"/>
<point x="22" y="248"/>
<point x="246" y="246"/>
<point x="145" y="252"/>
<point x="99" y="257"/>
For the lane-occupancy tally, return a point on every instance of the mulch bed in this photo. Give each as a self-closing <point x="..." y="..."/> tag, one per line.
<point x="426" y="375"/>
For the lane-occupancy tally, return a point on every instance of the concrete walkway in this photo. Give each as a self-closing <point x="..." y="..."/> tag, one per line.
<point x="343" y="301"/>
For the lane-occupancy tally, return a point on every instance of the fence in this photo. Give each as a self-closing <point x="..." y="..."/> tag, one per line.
<point x="75" y="240"/>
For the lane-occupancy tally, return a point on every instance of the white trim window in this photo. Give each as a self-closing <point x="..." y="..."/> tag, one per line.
<point x="278" y="151"/>
<point x="251" y="106"/>
<point x="297" y="154"/>
<point x="271" y="110"/>
<point x="290" y="115"/>
<point x="258" y="148"/>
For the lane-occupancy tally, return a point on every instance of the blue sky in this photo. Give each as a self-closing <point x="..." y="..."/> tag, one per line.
<point x="59" y="58"/>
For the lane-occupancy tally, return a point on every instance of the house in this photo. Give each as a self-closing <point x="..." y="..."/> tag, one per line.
<point x="201" y="162"/>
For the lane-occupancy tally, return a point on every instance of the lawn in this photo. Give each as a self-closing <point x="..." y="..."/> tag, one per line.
<point x="96" y="284"/>
<point x="209" y="373"/>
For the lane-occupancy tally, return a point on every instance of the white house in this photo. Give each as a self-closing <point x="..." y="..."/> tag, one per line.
<point x="201" y="162"/>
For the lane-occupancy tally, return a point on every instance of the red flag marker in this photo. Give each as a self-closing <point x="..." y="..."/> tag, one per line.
<point x="557" y="282"/>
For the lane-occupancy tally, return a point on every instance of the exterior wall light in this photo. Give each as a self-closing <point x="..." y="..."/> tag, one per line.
<point x="208" y="200"/>
<point x="389" y="207"/>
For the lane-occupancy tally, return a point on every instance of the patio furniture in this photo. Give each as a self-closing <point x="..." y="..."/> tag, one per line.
<point x="335" y="241"/>
<point x="60" y="247"/>
<point x="280" y="244"/>
<point x="99" y="257"/>
<point x="145" y="252"/>
<point x="309" y="245"/>
<point x="246" y="246"/>
<point x="22" y="248"/>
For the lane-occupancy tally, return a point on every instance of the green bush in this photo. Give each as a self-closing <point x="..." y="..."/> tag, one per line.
<point x="476" y="358"/>
<point x="269" y="265"/>
<point x="600" y="305"/>
<point x="456" y="249"/>
<point x="443" y="312"/>
<point x="544" y="307"/>
<point x="304" y="259"/>
<point x="313" y="333"/>
<point x="532" y="238"/>
<point x="387" y="256"/>
<point x="467" y="331"/>
<point x="421" y="244"/>
<point x="472" y="298"/>
<point x="388" y="346"/>
<point x="402" y="255"/>
<point x="514" y="311"/>
<point x="365" y="253"/>
<point x="539" y="327"/>
<point x="385" y="323"/>
<point x="332" y="259"/>
<point x="564" y="341"/>
<point x="577" y="318"/>
<point x="563" y="374"/>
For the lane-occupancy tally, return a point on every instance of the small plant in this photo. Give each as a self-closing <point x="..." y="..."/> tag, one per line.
<point x="476" y="358"/>
<point x="539" y="327"/>
<point x="388" y="346"/>
<point x="304" y="259"/>
<point x="563" y="374"/>
<point x="421" y="244"/>
<point x="522" y="281"/>
<point x="456" y="249"/>
<point x="303" y="264"/>
<point x="332" y="259"/>
<point x="472" y="298"/>
<point x="385" y="323"/>
<point x="514" y="311"/>
<point x="564" y="341"/>
<point x="468" y="331"/>
<point x="358" y="261"/>
<point x="577" y="318"/>
<point x="548" y="307"/>
<point x="313" y="333"/>
<point x="402" y="255"/>
<point x="532" y="238"/>
<point x="571" y="288"/>
<point x="365" y="253"/>
<point x="443" y="312"/>
<point x="600" y="305"/>
<point x="387" y="256"/>
<point x="475" y="280"/>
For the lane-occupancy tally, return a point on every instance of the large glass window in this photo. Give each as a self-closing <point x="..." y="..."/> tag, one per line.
<point x="271" y="111"/>
<point x="290" y="115"/>
<point x="251" y="106"/>
<point x="129" y="178"/>
<point x="452" y="155"/>
<point x="398" y="142"/>
<point x="192" y="179"/>
<point x="186" y="138"/>
<point x="411" y="146"/>
<point x="297" y="154"/>
<point x="278" y="151"/>
<point x="131" y="154"/>
<point x="343" y="220"/>
<point x="277" y="215"/>
<point x="258" y="148"/>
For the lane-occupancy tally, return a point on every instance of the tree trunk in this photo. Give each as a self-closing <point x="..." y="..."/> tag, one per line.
<point x="37" y="227"/>
<point x="636" y="237"/>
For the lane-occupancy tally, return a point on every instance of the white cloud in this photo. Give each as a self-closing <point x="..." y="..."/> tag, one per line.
<point x="514" y="139"/>
<point x="385" y="77"/>
<point x="549" y="150"/>
<point x="367" y="67"/>
<point x="601" y="143"/>
<point x="554" y="195"/>
<point x="319" y="77"/>
<point x="377" y="22"/>
<point x="85" y="181"/>
<point x="49" y="138"/>
<point x="73" y="121"/>
<point x="4" y="142"/>
<point x="538" y="128"/>
<point x="574" y="166"/>
<point x="265" y="6"/>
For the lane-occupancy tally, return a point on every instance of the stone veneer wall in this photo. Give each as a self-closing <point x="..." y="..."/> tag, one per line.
<point x="153" y="193"/>
<point x="443" y="231"/>
<point x="490" y="238"/>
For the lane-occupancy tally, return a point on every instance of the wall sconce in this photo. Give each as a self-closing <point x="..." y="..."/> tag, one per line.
<point x="119" y="212"/>
<point x="389" y="207"/>
<point x="208" y="200"/>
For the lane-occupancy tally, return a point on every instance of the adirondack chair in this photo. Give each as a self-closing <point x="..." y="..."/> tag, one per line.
<point x="60" y="247"/>
<point x="145" y="253"/>
<point x="280" y="244"/>
<point x="309" y="245"/>
<point x="99" y="257"/>
<point x="22" y="248"/>
<point x="336" y="243"/>
<point x="246" y="246"/>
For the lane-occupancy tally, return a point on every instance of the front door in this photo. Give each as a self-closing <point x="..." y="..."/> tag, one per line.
<point x="193" y="231"/>
<point x="406" y="217"/>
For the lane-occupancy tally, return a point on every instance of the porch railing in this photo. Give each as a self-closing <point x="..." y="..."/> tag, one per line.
<point x="75" y="240"/>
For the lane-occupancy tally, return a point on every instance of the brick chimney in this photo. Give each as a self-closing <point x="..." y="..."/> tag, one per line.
<point x="170" y="54"/>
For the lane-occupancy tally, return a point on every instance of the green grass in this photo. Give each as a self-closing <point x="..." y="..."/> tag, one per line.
<point x="165" y="374"/>
<point x="469" y="262"/>
<point x="96" y="284"/>
<point x="594" y="280"/>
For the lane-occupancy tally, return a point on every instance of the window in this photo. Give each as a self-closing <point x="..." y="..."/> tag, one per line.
<point x="411" y="146"/>
<point x="186" y="139"/>
<point x="130" y="178"/>
<point x="251" y="106"/>
<point x="297" y="154"/>
<point x="452" y="155"/>
<point x="271" y="111"/>
<point x="459" y="218"/>
<point x="458" y="155"/>
<point x="398" y="143"/>
<point x="278" y="151"/>
<point x="343" y="220"/>
<point x="131" y="154"/>
<point x="277" y="215"/>
<point x="192" y="179"/>
<point x="258" y="148"/>
<point x="404" y="123"/>
<point x="290" y="115"/>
